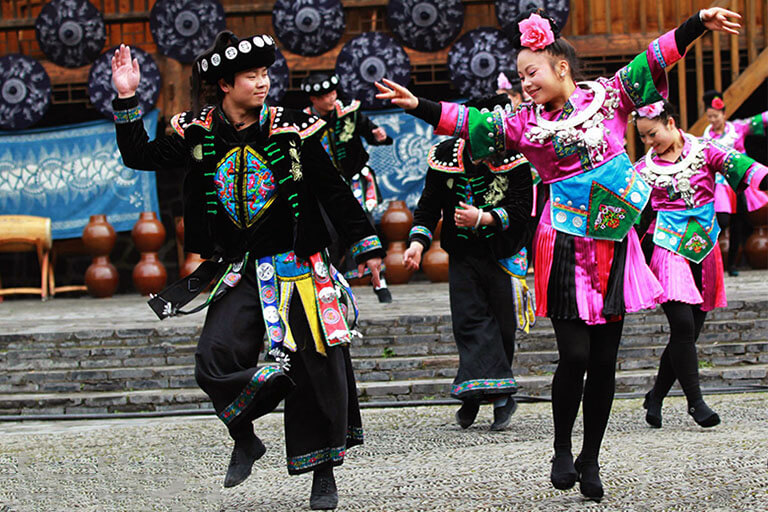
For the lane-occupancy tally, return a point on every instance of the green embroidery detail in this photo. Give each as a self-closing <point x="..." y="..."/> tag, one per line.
<point x="610" y="216"/>
<point x="695" y="243"/>
<point x="482" y="385"/>
<point x="735" y="167"/>
<point x="316" y="458"/>
<point x="637" y="82"/>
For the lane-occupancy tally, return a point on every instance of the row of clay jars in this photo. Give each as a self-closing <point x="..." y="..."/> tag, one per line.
<point x="149" y="274"/>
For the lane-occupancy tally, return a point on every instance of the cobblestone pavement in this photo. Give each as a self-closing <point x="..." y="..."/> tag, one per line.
<point x="421" y="298"/>
<point x="414" y="459"/>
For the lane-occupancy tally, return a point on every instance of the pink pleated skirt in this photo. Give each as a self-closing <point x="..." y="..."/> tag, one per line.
<point x="590" y="285"/>
<point x="674" y="273"/>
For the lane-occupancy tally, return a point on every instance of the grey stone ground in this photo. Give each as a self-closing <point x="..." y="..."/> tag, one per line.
<point x="414" y="459"/>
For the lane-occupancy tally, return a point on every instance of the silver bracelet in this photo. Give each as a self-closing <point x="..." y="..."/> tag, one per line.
<point x="479" y="218"/>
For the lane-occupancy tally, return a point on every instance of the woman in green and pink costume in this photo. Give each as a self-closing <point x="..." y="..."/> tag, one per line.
<point x="682" y="243"/>
<point x="589" y="267"/>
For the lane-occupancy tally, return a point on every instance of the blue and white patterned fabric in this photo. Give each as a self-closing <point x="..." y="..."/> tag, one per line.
<point x="25" y="92"/>
<point x="183" y="29"/>
<point x="425" y="25"/>
<point x="69" y="173"/>
<point x="308" y="27"/>
<point x="367" y="59"/>
<point x="477" y="58"/>
<point x="70" y="32"/>
<point x="401" y="168"/>
<point x="279" y="79"/>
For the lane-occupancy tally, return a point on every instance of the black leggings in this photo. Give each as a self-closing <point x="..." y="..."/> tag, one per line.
<point x="591" y="349"/>
<point x="679" y="360"/>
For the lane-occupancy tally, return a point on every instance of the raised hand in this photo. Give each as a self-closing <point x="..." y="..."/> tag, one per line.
<point x="717" y="19"/>
<point x="125" y="72"/>
<point x="397" y="94"/>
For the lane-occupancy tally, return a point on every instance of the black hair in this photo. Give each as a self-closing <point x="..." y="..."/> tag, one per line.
<point x="560" y="48"/>
<point x="709" y="96"/>
<point x="203" y="93"/>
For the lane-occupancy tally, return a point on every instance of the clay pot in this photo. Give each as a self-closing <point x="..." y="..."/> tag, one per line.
<point x="396" y="221"/>
<point x="396" y="271"/>
<point x="99" y="236"/>
<point x="434" y="263"/>
<point x="149" y="275"/>
<point x="756" y="247"/>
<point x="148" y="233"/>
<point x="101" y="277"/>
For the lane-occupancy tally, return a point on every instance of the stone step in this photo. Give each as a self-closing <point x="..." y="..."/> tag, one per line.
<point x="627" y="381"/>
<point x="383" y="369"/>
<point x="632" y="381"/>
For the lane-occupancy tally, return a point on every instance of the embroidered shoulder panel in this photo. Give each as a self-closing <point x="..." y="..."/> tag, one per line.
<point x="343" y="110"/>
<point x="507" y="163"/>
<point x="447" y="156"/>
<point x="293" y="121"/>
<point x="181" y="122"/>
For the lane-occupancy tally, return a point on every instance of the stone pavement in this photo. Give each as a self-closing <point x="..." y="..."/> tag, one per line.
<point x="65" y="313"/>
<point x="414" y="459"/>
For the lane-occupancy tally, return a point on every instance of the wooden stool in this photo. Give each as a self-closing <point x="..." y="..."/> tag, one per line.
<point x="25" y="233"/>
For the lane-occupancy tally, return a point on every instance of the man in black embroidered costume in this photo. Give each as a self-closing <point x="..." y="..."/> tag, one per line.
<point x="485" y="208"/>
<point x="341" y="138"/>
<point x="255" y="177"/>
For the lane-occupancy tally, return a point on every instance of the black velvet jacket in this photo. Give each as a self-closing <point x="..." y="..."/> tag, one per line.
<point x="345" y="125"/>
<point x="228" y="207"/>
<point x="504" y="188"/>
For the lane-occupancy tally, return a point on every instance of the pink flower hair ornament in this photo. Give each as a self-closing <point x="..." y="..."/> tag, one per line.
<point x="651" y="111"/>
<point x="502" y="82"/>
<point x="536" y="33"/>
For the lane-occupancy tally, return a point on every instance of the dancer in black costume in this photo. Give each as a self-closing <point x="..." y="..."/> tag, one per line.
<point x="255" y="175"/>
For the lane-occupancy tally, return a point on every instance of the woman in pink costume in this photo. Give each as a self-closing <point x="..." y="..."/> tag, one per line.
<point x="682" y="243"/>
<point x="732" y="134"/>
<point x="589" y="265"/>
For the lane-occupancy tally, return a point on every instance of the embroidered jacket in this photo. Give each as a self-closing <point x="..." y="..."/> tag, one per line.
<point x="683" y="193"/>
<point x="341" y="137"/>
<point x="695" y="186"/>
<point x="254" y="190"/>
<point x="558" y="155"/>
<point x="736" y="131"/>
<point x="501" y="186"/>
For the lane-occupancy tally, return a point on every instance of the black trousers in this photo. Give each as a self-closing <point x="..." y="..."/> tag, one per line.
<point x="483" y="317"/>
<point x="322" y="415"/>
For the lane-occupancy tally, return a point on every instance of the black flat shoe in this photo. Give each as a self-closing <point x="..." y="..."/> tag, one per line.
<point x="324" y="494"/>
<point x="467" y="413"/>
<point x="244" y="454"/>
<point x="703" y="415"/>
<point x="502" y="416"/>
<point x="384" y="295"/>
<point x="563" y="475"/>
<point x="653" y="408"/>
<point x="589" y="480"/>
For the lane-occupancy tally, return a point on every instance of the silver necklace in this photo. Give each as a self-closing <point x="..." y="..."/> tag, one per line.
<point x="677" y="175"/>
<point x="586" y="128"/>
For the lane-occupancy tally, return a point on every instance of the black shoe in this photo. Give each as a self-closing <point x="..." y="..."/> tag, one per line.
<point x="244" y="454"/>
<point x="733" y="272"/>
<point x="467" y="413"/>
<point x="503" y="415"/>
<point x="653" y="408"/>
<point x="563" y="475"/>
<point x="324" y="494"/>
<point x="703" y="415"/>
<point x="384" y="295"/>
<point x="589" y="480"/>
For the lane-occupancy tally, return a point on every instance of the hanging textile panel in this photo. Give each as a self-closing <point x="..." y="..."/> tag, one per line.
<point x="69" y="173"/>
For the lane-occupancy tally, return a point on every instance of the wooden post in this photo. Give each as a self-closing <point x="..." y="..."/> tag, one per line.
<point x="717" y="65"/>
<point x="682" y="94"/>
<point x="699" y="53"/>
<point x="608" y="20"/>
<point x="734" y="48"/>
<point x="643" y="18"/>
<point x="751" y="16"/>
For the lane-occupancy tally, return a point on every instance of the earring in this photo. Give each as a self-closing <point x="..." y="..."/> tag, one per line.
<point x="562" y="74"/>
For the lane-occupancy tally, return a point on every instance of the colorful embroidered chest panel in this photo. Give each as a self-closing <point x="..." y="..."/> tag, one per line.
<point x="245" y="185"/>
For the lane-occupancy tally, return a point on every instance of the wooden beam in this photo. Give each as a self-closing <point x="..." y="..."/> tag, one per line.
<point x="740" y="90"/>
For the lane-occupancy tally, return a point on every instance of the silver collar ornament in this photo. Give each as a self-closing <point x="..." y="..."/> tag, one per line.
<point x="584" y="129"/>
<point x="677" y="177"/>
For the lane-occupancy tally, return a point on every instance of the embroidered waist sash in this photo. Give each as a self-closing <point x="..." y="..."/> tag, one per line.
<point x="602" y="203"/>
<point x="690" y="233"/>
